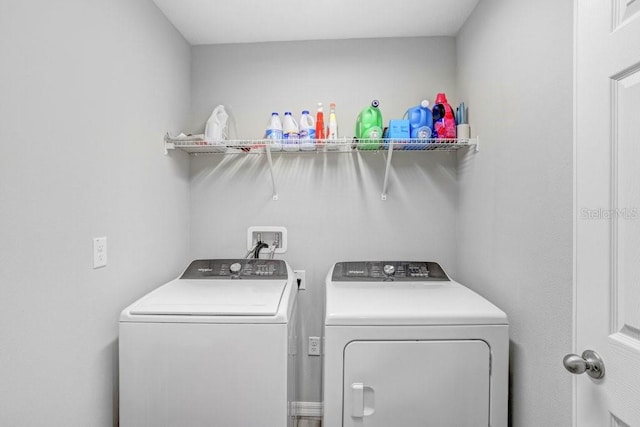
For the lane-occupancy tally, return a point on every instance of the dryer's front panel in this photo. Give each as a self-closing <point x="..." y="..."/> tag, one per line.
<point x="416" y="383"/>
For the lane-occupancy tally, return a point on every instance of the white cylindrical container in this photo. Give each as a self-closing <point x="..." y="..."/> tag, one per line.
<point x="307" y="132"/>
<point x="463" y="132"/>
<point x="290" y="133"/>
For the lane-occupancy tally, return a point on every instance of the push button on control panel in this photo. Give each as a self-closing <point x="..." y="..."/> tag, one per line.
<point x="418" y="271"/>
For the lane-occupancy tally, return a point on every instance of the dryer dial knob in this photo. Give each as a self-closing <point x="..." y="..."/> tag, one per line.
<point x="389" y="270"/>
<point x="235" y="268"/>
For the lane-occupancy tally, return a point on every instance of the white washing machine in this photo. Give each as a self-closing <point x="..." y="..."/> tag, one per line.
<point x="406" y="346"/>
<point x="215" y="347"/>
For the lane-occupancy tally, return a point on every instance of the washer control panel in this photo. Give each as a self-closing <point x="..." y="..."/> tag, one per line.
<point x="379" y="271"/>
<point x="255" y="269"/>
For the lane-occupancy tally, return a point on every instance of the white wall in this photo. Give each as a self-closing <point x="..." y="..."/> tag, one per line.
<point x="515" y="215"/>
<point x="330" y="203"/>
<point x="259" y="78"/>
<point x="88" y="89"/>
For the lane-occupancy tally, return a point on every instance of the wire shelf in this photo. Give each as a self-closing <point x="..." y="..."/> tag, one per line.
<point x="199" y="145"/>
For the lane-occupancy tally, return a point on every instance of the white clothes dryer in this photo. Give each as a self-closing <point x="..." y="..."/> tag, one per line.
<point x="406" y="346"/>
<point x="214" y="347"/>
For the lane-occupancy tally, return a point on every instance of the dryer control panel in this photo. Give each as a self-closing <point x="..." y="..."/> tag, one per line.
<point x="378" y="271"/>
<point x="255" y="269"/>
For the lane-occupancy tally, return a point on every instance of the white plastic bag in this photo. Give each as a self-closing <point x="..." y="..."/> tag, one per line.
<point x="216" y="129"/>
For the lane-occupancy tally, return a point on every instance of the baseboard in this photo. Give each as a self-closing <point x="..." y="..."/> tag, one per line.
<point x="307" y="409"/>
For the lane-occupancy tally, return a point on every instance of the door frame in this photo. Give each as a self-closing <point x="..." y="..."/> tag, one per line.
<point x="574" y="316"/>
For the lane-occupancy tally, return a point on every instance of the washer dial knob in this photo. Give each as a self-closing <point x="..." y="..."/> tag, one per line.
<point x="389" y="270"/>
<point x="235" y="267"/>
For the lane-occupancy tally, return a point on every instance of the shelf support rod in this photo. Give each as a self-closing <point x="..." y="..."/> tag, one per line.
<point x="273" y="179"/>
<point x="386" y="172"/>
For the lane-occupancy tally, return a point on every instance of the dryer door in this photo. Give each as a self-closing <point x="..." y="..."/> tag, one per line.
<point x="416" y="383"/>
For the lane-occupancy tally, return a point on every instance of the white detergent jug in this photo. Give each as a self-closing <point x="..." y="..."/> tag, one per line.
<point x="216" y="129"/>
<point x="290" y="133"/>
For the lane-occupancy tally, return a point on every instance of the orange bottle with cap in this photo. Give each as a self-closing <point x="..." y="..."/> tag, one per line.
<point x="320" y="122"/>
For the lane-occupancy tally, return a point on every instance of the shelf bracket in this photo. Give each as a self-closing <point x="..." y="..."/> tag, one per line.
<point x="273" y="179"/>
<point x="386" y="172"/>
<point x="168" y="145"/>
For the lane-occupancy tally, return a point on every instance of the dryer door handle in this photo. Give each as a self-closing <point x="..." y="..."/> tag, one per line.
<point x="357" y="400"/>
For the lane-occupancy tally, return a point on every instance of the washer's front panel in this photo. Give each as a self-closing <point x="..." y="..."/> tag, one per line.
<point x="203" y="375"/>
<point x="416" y="383"/>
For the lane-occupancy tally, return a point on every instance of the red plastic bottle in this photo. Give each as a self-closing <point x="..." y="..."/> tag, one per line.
<point x="444" y="121"/>
<point x="320" y="133"/>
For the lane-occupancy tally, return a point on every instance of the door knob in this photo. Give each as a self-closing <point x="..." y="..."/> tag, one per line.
<point x="590" y="362"/>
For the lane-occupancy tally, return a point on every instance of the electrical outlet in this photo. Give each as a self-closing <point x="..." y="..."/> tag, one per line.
<point x="301" y="276"/>
<point x="99" y="252"/>
<point x="314" y="346"/>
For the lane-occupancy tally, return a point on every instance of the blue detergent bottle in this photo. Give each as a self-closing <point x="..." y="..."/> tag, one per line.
<point x="420" y="120"/>
<point x="420" y="124"/>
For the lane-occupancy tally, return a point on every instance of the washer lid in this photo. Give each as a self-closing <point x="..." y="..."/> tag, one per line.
<point x="188" y="297"/>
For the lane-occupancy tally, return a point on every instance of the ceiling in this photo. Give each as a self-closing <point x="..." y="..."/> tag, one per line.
<point x="248" y="21"/>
